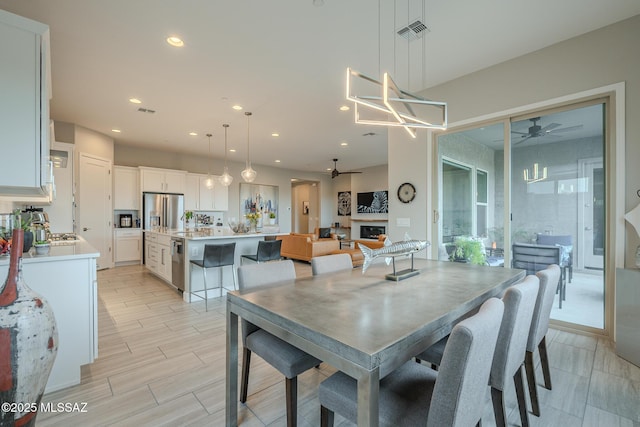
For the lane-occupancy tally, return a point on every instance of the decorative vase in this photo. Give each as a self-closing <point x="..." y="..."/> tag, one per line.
<point x="252" y="226"/>
<point x="28" y="241"/>
<point x="28" y="344"/>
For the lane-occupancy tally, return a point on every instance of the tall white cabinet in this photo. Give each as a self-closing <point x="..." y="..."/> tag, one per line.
<point x="126" y="188"/>
<point x="25" y="90"/>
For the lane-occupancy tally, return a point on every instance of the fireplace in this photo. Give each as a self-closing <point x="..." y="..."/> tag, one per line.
<point x="371" y="231"/>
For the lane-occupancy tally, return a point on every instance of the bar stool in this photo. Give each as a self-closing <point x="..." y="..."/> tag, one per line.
<point x="215" y="256"/>
<point x="268" y="250"/>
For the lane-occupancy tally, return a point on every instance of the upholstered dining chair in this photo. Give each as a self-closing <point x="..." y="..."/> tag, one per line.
<point x="330" y="263"/>
<point x="268" y="250"/>
<point x="215" y="256"/>
<point x="414" y="393"/>
<point x="537" y="334"/>
<point x="286" y="358"/>
<point x="508" y="362"/>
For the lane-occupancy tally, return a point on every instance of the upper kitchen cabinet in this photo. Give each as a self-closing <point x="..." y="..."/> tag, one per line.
<point x="126" y="184"/>
<point x="200" y="198"/>
<point x="162" y="180"/>
<point x="25" y="90"/>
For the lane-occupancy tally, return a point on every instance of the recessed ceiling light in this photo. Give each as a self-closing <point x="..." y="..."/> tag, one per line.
<point x="275" y="134"/>
<point x="345" y="108"/>
<point x="175" y="41"/>
<point x="135" y="101"/>
<point x="277" y="161"/>
<point x="232" y="150"/>
<point x="329" y="169"/>
<point x="237" y="107"/>
<point x="116" y="130"/>
<point x="193" y="133"/>
<point x="344" y="144"/>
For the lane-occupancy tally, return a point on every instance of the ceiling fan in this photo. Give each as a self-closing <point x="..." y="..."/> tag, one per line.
<point x="335" y="171"/>
<point x="537" y="131"/>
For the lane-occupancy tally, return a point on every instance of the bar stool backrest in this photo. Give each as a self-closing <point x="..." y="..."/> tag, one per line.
<point x="219" y="255"/>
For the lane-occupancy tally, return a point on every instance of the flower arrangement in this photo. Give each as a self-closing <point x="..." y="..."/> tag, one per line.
<point x="253" y="217"/>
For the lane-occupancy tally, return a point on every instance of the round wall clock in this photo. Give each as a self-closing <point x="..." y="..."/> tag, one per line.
<point x="406" y="192"/>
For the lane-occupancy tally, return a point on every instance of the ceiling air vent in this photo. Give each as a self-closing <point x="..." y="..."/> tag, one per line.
<point x="146" y="110"/>
<point x="413" y="31"/>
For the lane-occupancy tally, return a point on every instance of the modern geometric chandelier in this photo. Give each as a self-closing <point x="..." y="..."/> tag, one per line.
<point x="384" y="103"/>
<point x="248" y="174"/>
<point x="536" y="176"/>
<point x="394" y="106"/>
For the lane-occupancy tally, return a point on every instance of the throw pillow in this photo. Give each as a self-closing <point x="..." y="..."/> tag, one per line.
<point x="324" y="233"/>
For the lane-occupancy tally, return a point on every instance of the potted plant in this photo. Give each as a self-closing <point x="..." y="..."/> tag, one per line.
<point x="187" y="215"/>
<point x="272" y="218"/>
<point x="468" y="249"/>
<point x="42" y="247"/>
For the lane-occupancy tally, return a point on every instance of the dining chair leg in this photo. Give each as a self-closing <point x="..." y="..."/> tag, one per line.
<point x="326" y="417"/>
<point x="292" y="401"/>
<point x="522" y="401"/>
<point x="531" y="380"/>
<point x="246" y="360"/>
<point x="499" y="408"/>
<point x="204" y="280"/>
<point x="544" y="362"/>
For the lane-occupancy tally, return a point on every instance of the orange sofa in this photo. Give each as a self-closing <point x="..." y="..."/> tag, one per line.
<point x="306" y="246"/>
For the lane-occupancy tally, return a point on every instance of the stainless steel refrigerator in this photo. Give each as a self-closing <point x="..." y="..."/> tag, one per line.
<point x="162" y="211"/>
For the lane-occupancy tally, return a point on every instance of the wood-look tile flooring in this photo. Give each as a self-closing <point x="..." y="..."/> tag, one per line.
<point x="162" y="362"/>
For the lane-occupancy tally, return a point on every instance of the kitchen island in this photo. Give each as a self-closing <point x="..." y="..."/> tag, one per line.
<point x="66" y="278"/>
<point x="159" y="251"/>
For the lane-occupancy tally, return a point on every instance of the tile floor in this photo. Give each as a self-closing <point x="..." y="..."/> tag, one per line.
<point x="162" y="363"/>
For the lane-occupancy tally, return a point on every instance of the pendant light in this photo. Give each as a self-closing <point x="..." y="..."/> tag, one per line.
<point x="225" y="179"/>
<point x="209" y="182"/>
<point x="248" y="174"/>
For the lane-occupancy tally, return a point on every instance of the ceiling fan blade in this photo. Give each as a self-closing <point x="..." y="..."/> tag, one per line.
<point x="519" y="133"/>
<point x="342" y="173"/>
<point x="522" y="140"/>
<point x="550" y="127"/>
<point x="567" y="129"/>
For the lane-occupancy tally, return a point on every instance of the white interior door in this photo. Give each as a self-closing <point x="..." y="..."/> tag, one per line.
<point x="591" y="214"/>
<point x="95" y="205"/>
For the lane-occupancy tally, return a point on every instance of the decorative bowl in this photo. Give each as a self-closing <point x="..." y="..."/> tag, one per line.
<point x="238" y="227"/>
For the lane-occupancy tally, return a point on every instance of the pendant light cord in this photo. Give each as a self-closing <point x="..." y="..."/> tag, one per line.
<point x="226" y="126"/>
<point x="209" y="163"/>
<point x="248" y="114"/>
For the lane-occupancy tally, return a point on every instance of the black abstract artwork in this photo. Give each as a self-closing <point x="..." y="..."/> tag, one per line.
<point x="373" y="202"/>
<point x="344" y="203"/>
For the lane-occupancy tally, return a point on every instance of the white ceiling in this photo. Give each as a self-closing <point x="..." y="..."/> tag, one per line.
<point x="283" y="60"/>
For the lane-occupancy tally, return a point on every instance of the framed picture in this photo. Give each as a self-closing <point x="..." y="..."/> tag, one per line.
<point x="373" y="202"/>
<point x="305" y="208"/>
<point x="344" y="203"/>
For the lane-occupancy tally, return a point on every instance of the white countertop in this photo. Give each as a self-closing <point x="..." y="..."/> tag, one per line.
<point x="211" y="233"/>
<point x="59" y="251"/>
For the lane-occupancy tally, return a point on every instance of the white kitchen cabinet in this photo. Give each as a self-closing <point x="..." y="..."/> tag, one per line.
<point x="25" y="90"/>
<point x="162" y="180"/>
<point x="200" y="198"/>
<point x="128" y="245"/>
<point x="192" y="192"/>
<point x="126" y="188"/>
<point x="158" y="255"/>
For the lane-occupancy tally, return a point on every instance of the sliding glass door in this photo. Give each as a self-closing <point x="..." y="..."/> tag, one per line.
<point x="556" y="176"/>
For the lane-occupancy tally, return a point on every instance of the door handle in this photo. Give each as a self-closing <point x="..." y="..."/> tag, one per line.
<point x="85" y="229"/>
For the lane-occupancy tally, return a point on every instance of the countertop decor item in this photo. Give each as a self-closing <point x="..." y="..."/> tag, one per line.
<point x="42" y="248"/>
<point x="28" y="343"/>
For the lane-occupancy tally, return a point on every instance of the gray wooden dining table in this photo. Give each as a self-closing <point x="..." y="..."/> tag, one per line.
<point x="362" y="324"/>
